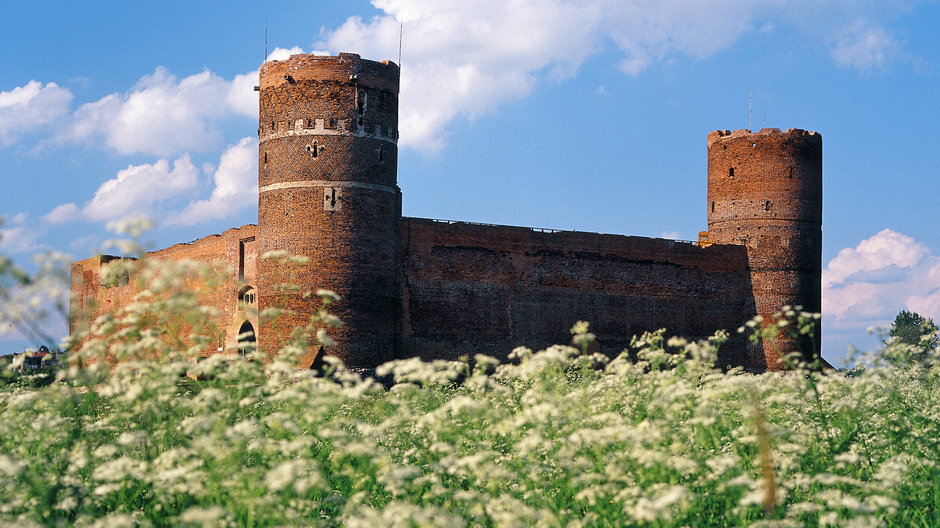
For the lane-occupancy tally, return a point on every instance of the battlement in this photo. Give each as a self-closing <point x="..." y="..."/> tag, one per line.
<point x="325" y="127"/>
<point x="345" y="68"/>
<point x="718" y="135"/>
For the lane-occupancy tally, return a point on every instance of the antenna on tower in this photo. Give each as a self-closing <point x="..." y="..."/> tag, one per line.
<point x="265" y="38"/>
<point x="765" y="115"/>
<point x="749" y="120"/>
<point x="401" y="33"/>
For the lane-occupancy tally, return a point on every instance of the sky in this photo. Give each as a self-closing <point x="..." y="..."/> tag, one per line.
<point x="585" y="115"/>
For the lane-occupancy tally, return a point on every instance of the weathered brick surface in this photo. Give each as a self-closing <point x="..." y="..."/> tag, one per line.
<point x="90" y="298"/>
<point x="328" y="191"/>
<point x="327" y="157"/>
<point x="473" y="288"/>
<point x="765" y="192"/>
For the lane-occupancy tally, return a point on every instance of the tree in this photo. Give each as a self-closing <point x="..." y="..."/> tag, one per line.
<point x="913" y="329"/>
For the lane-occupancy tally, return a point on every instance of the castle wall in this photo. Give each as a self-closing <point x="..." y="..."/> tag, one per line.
<point x="233" y="253"/>
<point x="471" y="288"/>
<point x="328" y="191"/>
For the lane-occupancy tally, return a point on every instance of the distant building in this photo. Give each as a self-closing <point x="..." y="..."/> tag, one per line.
<point x="41" y="359"/>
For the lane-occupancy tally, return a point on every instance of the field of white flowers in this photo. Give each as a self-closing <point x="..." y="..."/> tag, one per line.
<point x="557" y="437"/>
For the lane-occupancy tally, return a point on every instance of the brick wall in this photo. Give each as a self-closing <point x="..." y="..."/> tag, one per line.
<point x="91" y="298"/>
<point x="486" y="289"/>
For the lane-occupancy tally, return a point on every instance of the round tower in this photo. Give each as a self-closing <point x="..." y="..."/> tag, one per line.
<point x="765" y="192"/>
<point x="328" y="191"/>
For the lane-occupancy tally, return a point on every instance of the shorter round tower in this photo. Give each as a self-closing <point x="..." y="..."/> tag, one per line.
<point x="765" y="192"/>
<point x="328" y="191"/>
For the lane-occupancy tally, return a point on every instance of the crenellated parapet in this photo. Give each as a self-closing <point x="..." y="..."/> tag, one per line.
<point x="745" y="133"/>
<point x="345" y="67"/>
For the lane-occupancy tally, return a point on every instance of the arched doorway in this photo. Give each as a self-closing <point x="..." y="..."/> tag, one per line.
<point x="318" y="362"/>
<point x="247" y="340"/>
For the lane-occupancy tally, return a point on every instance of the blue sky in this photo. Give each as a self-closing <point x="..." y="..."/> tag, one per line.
<point x="587" y="115"/>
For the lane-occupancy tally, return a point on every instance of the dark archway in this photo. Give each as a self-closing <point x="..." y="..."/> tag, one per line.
<point x="318" y="362"/>
<point x="247" y="339"/>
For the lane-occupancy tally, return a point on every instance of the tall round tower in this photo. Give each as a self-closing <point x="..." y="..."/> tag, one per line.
<point x="765" y="192"/>
<point x="328" y="191"/>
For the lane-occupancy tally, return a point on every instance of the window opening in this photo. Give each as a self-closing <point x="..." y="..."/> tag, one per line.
<point x="362" y="102"/>
<point x="731" y="171"/>
<point x="313" y="149"/>
<point x="247" y="295"/>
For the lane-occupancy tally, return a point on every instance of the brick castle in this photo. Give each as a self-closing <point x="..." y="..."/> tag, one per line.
<point x="327" y="174"/>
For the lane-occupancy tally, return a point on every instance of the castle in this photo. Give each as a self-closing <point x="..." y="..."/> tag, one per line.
<point x="327" y="175"/>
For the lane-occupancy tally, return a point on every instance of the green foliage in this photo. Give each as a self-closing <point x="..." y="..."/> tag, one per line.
<point x="911" y="328"/>
<point x="559" y="437"/>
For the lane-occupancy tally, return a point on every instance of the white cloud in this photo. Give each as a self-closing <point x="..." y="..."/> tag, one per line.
<point x="463" y="59"/>
<point x="242" y="97"/>
<point x="284" y="53"/>
<point x="928" y="302"/>
<point x="236" y="186"/>
<point x="885" y="251"/>
<point x="18" y="236"/>
<point x="869" y="284"/>
<point x="138" y="189"/>
<point x="162" y="115"/>
<point x="864" y="47"/>
<point x="61" y="214"/>
<point x="28" y="108"/>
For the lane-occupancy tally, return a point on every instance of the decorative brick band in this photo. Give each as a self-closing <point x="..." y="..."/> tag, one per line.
<point x="303" y="128"/>
<point x="328" y="183"/>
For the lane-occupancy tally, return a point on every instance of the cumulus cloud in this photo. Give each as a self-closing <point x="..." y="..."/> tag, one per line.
<point x="886" y="251"/>
<point x="29" y="108"/>
<point x="139" y="189"/>
<point x="61" y="214"/>
<point x="869" y="284"/>
<point x="462" y="60"/>
<point x="236" y="186"/>
<point x="163" y="115"/>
